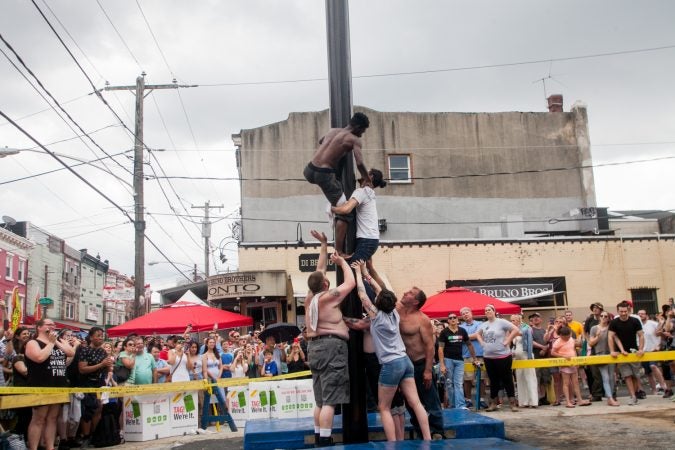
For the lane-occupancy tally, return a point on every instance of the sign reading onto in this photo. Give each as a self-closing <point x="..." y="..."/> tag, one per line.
<point x="512" y="291"/>
<point x="307" y="262"/>
<point x="247" y="284"/>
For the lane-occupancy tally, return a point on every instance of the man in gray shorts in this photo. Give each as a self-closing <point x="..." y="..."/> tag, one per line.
<point x="321" y="170"/>
<point x="628" y="334"/>
<point x="327" y="336"/>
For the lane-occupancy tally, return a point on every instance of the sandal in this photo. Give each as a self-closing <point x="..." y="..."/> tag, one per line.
<point x="585" y="403"/>
<point x="569" y="406"/>
<point x="555" y="404"/>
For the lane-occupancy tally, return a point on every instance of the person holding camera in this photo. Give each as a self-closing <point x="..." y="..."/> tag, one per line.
<point x="46" y="357"/>
<point x="295" y="361"/>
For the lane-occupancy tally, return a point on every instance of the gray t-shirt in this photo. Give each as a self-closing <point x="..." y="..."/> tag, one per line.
<point x="602" y="346"/>
<point x="494" y="334"/>
<point x="387" y="337"/>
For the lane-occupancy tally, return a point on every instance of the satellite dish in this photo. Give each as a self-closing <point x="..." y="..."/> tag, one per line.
<point x="9" y="221"/>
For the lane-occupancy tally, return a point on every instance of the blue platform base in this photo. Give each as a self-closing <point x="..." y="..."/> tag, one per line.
<point x="299" y="433"/>
<point x="464" y="444"/>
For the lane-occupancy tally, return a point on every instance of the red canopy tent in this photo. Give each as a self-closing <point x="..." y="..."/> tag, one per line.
<point x="455" y="298"/>
<point x="174" y="318"/>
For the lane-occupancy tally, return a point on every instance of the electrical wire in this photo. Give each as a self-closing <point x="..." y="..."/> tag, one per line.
<point x="36" y="175"/>
<point x="84" y="180"/>
<point x="56" y="102"/>
<point x="105" y="13"/>
<point x="448" y="177"/>
<point x="451" y="69"/>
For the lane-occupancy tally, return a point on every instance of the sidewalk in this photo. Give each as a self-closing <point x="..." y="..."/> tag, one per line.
<point x="651" y="403"/>
<point x="170" y="442"/>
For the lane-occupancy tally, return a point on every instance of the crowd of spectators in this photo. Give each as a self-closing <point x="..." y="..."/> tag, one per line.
<point x="494" y="342"/>
<point x="41" y="356"/>
<point x="44" y="357"/>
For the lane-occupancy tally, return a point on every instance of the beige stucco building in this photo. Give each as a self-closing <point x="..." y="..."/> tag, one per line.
<point x="581" y="270"/>
<point x="499" y="202"/>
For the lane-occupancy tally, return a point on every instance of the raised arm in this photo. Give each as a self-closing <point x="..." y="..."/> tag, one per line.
<point x="322" y="264"/>
<point x="349" y="283"/>
<point x="370" y="270"/>
<point x="360" y="288"/>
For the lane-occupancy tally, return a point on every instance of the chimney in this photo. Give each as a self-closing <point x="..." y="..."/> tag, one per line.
<point x="555" y="103"/>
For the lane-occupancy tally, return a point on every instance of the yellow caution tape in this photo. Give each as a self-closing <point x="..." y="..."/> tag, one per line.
<point x="586" y="360"/>
<point x="133" y="390"/>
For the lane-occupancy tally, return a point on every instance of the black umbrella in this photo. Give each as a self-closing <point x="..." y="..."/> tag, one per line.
<point x="282" y="332"/>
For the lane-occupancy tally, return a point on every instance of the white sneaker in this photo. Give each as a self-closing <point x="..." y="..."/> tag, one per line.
<point x="633" y="401"/>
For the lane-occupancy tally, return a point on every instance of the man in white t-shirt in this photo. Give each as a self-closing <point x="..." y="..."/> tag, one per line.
<point x="652" y="344"/>
<point x="367" y="224"/>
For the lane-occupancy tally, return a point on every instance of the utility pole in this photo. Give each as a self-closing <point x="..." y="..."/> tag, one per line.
<point x="206" y="234"/>
<point x="354" y="415"/>
<point x="139" y="215"/>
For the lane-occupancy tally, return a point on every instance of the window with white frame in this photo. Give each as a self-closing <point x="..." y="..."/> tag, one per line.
<point x="70" y="311"/>
<point x="400" y="169"/>
<point x="9" y="266"/>
<point x="22" y="272"/>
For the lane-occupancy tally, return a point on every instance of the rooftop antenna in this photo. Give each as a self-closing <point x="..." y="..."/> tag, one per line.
<point x="9" y="221"/>
<point x="549" y="77"/>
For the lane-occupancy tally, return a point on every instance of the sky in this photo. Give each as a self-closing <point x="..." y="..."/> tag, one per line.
<point x="255" y="61"/>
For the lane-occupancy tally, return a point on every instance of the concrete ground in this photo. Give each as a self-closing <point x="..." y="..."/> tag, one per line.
<point x="649" y="424"/>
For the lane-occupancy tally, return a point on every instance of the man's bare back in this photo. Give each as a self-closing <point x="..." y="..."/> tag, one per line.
<point x="334" y="146"/>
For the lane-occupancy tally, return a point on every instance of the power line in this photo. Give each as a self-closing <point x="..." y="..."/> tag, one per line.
<point x="154" y="38"/>
<point x="85" y="181"/>
<point x="35" y="175"/>
<point x="451" y="69"/>
<point x="469" y="222"/>
<point x="446" y="177"/>
<point x="86" y="76"/>
<point x="119" y="34"/>
<point x="44" y="2"/>
<point x="37" y="80"/>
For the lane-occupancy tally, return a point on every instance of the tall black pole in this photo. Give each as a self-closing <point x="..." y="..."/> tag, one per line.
<point x="354" y="415"/>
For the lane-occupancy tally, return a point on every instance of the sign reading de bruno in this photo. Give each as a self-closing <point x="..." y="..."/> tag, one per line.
<point x="513" y="291"/>
<point x="307" y="262"/>
<point x="247" y="284"/>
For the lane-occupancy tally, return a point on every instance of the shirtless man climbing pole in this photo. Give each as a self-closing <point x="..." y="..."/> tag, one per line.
<point x="321" y="170"/>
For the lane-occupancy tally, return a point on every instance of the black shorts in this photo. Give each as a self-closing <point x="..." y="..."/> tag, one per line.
<point x="326" y="180"/>
<point x="90" y="404"/>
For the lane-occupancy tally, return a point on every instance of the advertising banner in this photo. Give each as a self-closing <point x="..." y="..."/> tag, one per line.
<point x="259" y="400"/>
<point x="184" y="415"/>
<point x="146" y="417"/>
<point x="238" y="404"/>
<point x="305" y="398"/>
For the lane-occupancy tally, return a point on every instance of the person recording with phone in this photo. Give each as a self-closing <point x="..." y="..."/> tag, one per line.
<point x="46" y="357"/>
<point x="296" y="358"/>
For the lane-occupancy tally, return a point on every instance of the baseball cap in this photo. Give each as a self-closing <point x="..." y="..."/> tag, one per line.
<point x="598" y="305"/>
<point x="536" y="314"/>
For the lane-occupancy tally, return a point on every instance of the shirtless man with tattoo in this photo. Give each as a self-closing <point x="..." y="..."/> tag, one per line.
<point x="327" y="337"/>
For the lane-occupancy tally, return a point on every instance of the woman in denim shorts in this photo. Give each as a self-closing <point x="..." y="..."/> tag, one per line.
<point x="397" y="369"/>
